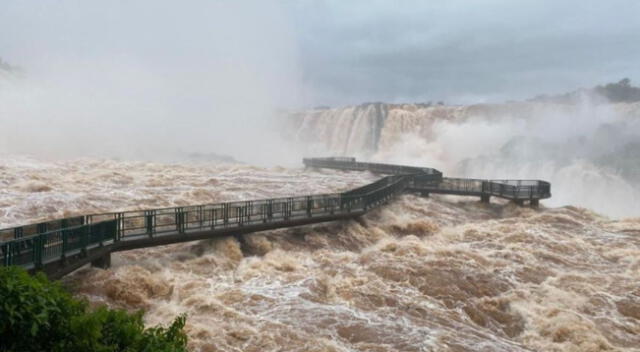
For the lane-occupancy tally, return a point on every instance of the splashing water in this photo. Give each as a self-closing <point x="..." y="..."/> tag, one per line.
<point x="590" y="152"/>
<point x="420" y="274"/>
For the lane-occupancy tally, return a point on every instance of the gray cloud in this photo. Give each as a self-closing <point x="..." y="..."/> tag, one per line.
<point x="464" y="50"/>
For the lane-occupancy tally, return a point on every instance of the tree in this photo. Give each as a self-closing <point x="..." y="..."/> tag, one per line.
<point x="38" y="315"/>
<point x="622" y="91"/>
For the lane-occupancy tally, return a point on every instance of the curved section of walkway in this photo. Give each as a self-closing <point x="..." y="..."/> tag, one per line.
<point x="60" y="246"/>
<point x="431" y="180"/>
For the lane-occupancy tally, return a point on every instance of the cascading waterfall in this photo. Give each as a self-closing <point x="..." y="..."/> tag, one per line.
<point x="549" y="141"/>
<point x="349" y="130"/>
<point x="442" y="273"/>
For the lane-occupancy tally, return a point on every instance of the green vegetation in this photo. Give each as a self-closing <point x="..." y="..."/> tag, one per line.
<point x="6" y="66"/>
<point x="621" y="92"/>
<point x="39" y="315"/>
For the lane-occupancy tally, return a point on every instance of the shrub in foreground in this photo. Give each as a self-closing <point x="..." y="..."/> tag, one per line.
<point x="39" y="315"/>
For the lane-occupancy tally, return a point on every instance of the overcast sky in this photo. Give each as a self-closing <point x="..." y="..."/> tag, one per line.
<point x="341" y="52"/>
<point x="464" y="50"/>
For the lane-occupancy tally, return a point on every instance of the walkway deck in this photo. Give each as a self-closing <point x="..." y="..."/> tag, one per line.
<point x="60" y="246"/>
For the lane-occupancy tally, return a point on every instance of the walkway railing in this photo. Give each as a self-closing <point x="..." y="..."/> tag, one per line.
<point x="428" y="179"/>
<point x="376" y="168"/>
<point x="34" y="246"/>
<point x="33" y="251"/>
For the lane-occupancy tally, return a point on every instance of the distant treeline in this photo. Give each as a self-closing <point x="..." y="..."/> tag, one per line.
<point x="621" y="92"/>
<point x="5" y="65"/>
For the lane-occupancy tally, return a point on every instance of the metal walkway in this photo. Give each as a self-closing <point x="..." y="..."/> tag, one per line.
<point x="60" y="246"/>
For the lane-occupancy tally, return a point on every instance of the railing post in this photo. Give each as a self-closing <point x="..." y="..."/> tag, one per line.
<point x="184" y="220"/>
<point x="113" y="231"/>
<point x="84" y="239"/>
<point x="120" y="226"/>
<point x="179" y="219"/>
<point x="5" y="254"/>
<point x="326" y="204"/>
<point x="102" y="232"/>
<point x="149" y="216"/>
<point x="34" y="249"/>
<point x="38" y="248"/>
<point x="65" y="243"/>
<point x="309" y="205"/>
<point x="284" y="210"/>
<point x="288" y="208"/>
<point x="92" y="233"/>
<point x="290" y="200"/>
<point x="11" y="252"/>
<point x="486" y="191"/>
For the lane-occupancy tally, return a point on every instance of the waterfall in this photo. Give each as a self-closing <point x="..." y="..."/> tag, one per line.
<point x="548" y="140"/>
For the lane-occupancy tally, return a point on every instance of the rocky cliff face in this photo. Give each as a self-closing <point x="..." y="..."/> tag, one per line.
<point x="368" y="128"/>
<point x="585" y="148"/>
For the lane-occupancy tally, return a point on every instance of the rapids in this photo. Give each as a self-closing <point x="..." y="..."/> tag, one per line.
<point x="443" y="273"/>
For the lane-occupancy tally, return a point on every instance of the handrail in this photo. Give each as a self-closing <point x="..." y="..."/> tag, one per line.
<point x="352" y="164"/>
<point x="35" y="245"/>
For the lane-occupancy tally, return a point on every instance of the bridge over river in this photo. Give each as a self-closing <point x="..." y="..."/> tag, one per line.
<point x="60" y="246"/>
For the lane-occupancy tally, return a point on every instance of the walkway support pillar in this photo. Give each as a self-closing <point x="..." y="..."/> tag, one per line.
<point x="519" y="202"/>
<point x="534" y="203"/>
<point x="485" y="198"/>
<point x="102" y="262"/>
<point x="424" y="194"/>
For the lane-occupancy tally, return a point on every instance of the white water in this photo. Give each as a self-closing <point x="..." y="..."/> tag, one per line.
<point x="420" y="274"/>
<point x="589" y="152"/>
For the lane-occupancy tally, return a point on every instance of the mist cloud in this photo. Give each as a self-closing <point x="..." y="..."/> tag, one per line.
<point x="145" y="78"/>
<point x="148" y="78"/>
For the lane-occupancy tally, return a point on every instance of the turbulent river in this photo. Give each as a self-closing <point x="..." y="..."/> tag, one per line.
<point x="442" y="273"/>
